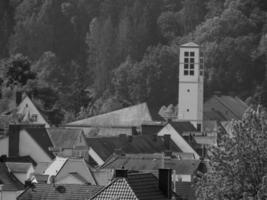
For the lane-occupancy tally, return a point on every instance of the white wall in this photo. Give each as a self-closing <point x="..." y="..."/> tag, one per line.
<point x="28" y="146"/>
<point x="27" y="108"/>
<point x="4" y="146"/>
<point x="69" y="180"/>
<point x="22" y="177"/>
<point x="178" y="140"/>
<point x="9" y="195"/>
<point x="183" y="178"/>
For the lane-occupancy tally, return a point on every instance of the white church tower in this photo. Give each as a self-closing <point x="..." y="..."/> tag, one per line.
<point x="191" y="77"/>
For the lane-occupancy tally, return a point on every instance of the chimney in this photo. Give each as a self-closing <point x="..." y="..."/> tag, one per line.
<point x="3" y="158"/>
<point x="165" y="182"/>
<point x="18" y="97"/>
<point x="167" y="141"/>
<point x="121" y="173"/>
<point x="13" y="145"/>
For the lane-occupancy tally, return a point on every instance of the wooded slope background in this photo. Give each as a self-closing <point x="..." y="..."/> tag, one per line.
<point x="83" y="57"/>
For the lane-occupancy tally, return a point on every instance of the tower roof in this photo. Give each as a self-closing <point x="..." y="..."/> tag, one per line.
<point x="190" y="44"/>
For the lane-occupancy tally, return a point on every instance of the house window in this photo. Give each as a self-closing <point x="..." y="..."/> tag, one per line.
<point x="189" y="63"/>
<point x="34" y="117"/>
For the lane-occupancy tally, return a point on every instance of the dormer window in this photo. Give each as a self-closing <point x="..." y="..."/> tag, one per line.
<point x="189" y="63"/>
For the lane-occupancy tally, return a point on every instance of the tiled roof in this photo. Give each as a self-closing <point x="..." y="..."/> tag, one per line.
<point x="185" y="190"/>
<point x="9" y="181"/>
<point x="106" y="131"/>
<point x="224" y="108"/>
<point x="140" y="186"/>
<point x="41" y="136"/>
<point x="63" y="137"/>
<point x="151" y="128"/>
<point x="59" y="192"/>
<point x="18" y="167"/>
<point x="151" y="162"/>
<point x="106" y="146"/>
<point x="183" y="126"/>
<point x="130" y="116"/>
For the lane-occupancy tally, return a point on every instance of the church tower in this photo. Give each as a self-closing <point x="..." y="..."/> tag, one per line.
<point x="191" y="77"/>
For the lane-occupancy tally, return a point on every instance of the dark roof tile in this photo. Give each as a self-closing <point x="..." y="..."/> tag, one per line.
<point x="141" y="186"/>
<point x="106" y="146"/>
<point x="68" y="191"/>
<point x="41" y="136"/>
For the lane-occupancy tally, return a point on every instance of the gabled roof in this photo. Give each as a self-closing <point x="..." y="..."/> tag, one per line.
<point x="190" y="44"/>
<point x="64" y="137"/>
<point x="139" y="186"/>
<point x="151" y="162"/>
<point x="224" y="108"/>
<point x="9" y="181"/>
<point x="129" y="116"/>
<point x="106" y="146"/>
<point x="41" y="137"/>
<point x="59" y="192"/>
<point x="64" y="166"/>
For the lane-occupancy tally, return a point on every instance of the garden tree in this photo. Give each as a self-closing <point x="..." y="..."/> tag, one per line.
<point x="16" y="71"/>
<point x="46" y="99"/>
<point x="238" y="163"/>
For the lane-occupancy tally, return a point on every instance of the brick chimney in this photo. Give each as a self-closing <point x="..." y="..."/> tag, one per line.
<point x="13" y="146"/>
<point x="121" y="173"/>
<point x="165" y="182"/>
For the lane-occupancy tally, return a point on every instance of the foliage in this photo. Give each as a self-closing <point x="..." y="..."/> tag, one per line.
<point x="77" y="44"/>
<point x="239" y="162"/>
<point x="16" y="71"/>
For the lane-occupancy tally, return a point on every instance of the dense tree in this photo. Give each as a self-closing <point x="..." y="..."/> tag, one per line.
<point x="239" y="162"/>
<point x="138" y="82"/>
<point x="93" y="39"/>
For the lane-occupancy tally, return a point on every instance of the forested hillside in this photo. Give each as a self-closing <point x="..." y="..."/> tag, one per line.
<point x="83" y="57"/>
